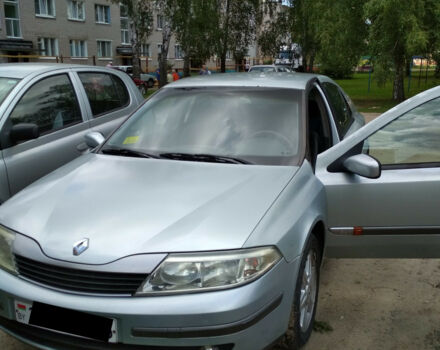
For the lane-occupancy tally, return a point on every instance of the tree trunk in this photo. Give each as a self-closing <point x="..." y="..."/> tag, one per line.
<point x="408" y="66"/>
<point x="398" y="88"/>
<point x="311" y="62"/>
<point x="163" y="65"/>
<point x="135" y="44"/>
<point x="223" y="63"/>
<point x="225" y="40"/>
<point x="436" y="58"/>
<point x="162" y="70"/>
<point x="304" y="64"/>
<point x="186" y="66"/>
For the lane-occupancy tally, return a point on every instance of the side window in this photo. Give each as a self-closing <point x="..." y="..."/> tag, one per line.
<point x="106" y="92"/>
<point x="341" y="110"/>
<point x="413" y="138"/>
<point x="318" y="121"/>
<point x="51" y="104"/>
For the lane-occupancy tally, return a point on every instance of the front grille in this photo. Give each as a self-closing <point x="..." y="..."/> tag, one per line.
<point x="84" y="281"/>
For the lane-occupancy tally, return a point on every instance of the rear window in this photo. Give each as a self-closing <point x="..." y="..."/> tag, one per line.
<point x="106" y="92"/>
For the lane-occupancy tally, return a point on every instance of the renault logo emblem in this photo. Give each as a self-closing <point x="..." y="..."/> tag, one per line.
<point x="81" y="246"/>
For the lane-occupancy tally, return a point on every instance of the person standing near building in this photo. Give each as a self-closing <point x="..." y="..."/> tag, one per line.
<point x="204" y="70"/>
<point x="175" y="75"/>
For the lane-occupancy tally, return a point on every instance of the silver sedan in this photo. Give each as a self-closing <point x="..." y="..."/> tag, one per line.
<point x="202" y="221"/>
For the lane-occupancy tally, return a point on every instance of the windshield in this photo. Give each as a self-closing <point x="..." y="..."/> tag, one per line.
<point x="254" y="125"/>
<point x="6" y="85"/>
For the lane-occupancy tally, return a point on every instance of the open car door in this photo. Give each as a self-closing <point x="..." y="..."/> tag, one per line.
<point x="383" y="185"/>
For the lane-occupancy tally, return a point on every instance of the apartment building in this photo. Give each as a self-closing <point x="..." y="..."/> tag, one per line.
<point x="75" y="31"/>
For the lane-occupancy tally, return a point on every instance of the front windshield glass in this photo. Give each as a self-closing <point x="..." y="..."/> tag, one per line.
<point x="6" y="85"/>
<point x="257" y="125"/>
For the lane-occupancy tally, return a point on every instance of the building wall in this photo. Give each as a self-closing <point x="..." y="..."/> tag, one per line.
<point x="64" y="29"/>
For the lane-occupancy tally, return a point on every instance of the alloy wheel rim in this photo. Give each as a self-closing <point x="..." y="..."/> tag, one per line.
<point x="308" y="292"/>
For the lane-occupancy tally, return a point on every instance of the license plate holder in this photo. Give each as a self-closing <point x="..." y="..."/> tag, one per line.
<point x="67" y="321"/>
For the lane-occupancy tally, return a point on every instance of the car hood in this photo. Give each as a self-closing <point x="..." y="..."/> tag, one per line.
<point x="127" y="206"/>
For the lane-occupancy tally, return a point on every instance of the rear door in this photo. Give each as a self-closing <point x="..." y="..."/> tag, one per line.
<point x="111" y="98"/>
<point x="397" y="214"/>
<point x="51" y="102"/>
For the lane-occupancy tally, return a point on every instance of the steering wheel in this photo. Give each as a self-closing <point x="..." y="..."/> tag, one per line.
<point x="274" y="134"/>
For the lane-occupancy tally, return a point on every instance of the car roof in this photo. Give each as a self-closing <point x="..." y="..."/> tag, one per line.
<point x="21" y="70"/>
<point x="269" y="79"/>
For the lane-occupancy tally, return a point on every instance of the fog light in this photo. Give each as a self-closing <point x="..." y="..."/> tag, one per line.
<point x="210" y="347"/>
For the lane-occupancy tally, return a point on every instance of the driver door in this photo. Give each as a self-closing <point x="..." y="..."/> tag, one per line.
<point x="396" y="215"/>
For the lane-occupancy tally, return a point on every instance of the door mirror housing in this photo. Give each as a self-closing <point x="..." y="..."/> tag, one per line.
<point x="24" y="132"/>
<point x="363" y="165"/>
<point x="94" y="139"/>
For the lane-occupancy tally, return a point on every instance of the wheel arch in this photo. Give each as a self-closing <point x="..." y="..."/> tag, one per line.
<point x="318" y="231"/>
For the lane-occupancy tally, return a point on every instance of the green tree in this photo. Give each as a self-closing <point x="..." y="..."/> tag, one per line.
<point x="193" y="25"/>
<point x="341" y="37"/>
<point x="431" y="22"/>
<point x="237" y="22"/>
<point x="304" y="16"/>
<point x="395" y="33"/>
<point x="140" y="21"/>
<point x="275" y="32"/>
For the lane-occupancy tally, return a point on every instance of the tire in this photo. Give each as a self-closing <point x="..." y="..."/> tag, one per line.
<point x="150" y="83"/>
<point x="306" y="293"/>
<point x="142" y="89"/>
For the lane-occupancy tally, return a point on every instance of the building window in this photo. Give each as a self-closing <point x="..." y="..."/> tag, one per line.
<point x="12" y="19"/>
<point x="125" y="34"/>
<point x="75" y="10"/>
<point x="45" y="8"/>
<point x="48" y="46"/>
<point x="159" y="24"/>
<point x="228" y="55"/>
<point x="78" y="48"/>
<point x="102" y="14"/>
<point x="145" y="50"/>
<point x="178" y="53"/>
<point x="159" y="49"/>
<point x="104" y="48"/>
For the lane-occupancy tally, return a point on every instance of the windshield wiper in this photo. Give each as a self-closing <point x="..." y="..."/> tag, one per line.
<point x="127" y="152"/>
<point x="200" y="157"/>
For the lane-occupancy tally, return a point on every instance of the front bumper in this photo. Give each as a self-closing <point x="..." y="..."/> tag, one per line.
<point x="249" y="317"/>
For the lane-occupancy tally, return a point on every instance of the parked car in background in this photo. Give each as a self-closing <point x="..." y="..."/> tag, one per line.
<point x="141" y="85"/>
<point x="45" y="111"/>
<point x="269" y="68"/>
<point x="148" y="79"/>
<point x="206" y="225"/>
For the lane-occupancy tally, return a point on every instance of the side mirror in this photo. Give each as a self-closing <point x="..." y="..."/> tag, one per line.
<point x="24" y="132"/>
<point x="94" y="139"/>
<point x="363" y="165"/>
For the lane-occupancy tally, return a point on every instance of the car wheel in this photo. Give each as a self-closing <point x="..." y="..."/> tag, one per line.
<point x="142" y="89"/>
<point x="150" y="83"/>
<point x="305" y="300"/>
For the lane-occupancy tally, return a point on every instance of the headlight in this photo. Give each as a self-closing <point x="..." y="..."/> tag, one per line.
<point x="209" y="271"/>
<point x="6" y="258"/>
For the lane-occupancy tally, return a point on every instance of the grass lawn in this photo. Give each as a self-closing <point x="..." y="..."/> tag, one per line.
<point x="379" y="99"/>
